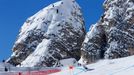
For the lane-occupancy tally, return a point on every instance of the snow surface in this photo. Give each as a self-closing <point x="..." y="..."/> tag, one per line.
<point x="122" y="66"/>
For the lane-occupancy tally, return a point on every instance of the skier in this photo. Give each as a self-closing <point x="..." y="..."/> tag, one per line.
<point x="6" y="69"/>
<point x="57" y="11"/>
<point x="3" y="61"/>
<point x="53" y="5"/>
<point x="85" y="67"/>
<point x="61" y="2"/>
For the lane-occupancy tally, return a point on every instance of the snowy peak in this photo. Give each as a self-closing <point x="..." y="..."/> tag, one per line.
<point x="54" y="33"/>
<point x="113" y="35"/>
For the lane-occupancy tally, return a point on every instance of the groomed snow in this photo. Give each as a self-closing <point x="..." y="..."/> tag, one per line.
<point x="122" y="66"/>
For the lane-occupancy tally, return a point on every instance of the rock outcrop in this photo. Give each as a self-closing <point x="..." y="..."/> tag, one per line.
<point x="53" y="34"/>
<point x="113" y="35"/>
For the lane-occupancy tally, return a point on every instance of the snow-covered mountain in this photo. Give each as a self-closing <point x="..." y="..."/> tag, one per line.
<point x="55" y="37"/>
<point x="56" y="34"/>
<point x="53" y="34"/>
<point x="113" y="35"/>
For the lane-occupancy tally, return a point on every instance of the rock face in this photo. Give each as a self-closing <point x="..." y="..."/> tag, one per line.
<point x="54" y="33"/>
<point x="113" y="35"/>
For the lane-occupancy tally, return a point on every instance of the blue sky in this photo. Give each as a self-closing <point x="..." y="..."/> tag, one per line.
<point x="13" y="14"/>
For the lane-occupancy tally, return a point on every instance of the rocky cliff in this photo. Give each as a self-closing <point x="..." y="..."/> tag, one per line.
<point x="113" y="35"/>
<point x="53" y="34"/>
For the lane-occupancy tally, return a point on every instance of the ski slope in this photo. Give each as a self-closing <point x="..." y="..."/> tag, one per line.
<point x="122" y="66"/>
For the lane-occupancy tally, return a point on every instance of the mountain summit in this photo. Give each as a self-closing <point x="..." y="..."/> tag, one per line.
<point x="50" y="36"/>
<point x="113" y="35"/>
<point x="55" y="36"/>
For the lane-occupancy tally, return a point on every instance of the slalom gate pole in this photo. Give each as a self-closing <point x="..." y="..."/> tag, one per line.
<point x="29" y="71"/>
<point x="20" y="73"/>
<point x="71" y="70"/>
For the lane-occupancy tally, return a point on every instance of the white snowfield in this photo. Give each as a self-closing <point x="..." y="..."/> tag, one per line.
<point x="121" y="66"/>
